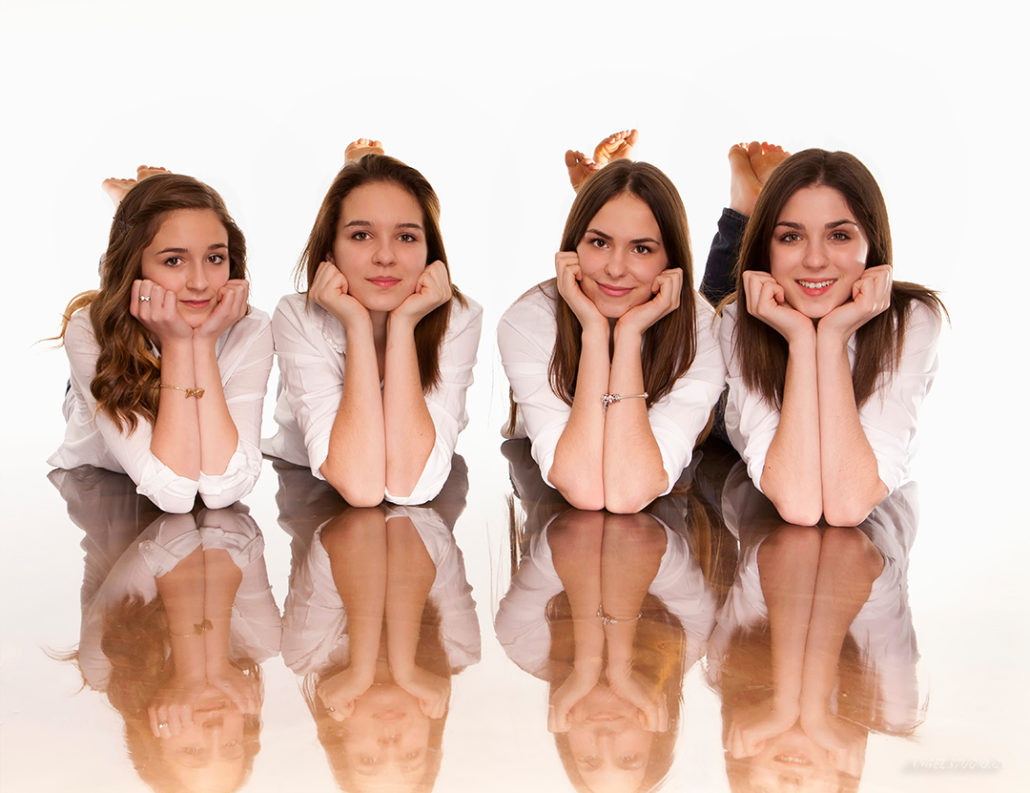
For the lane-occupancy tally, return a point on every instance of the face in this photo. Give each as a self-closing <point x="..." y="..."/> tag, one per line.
<point x="208" y="754"/>
<point x="189" y="256"/>
<point x="620" y="255"/>
<point x="387" y="739"/>
<point x="380" y="244"/>
<point x="793" y="761"/>
<point x="610" y="748"/>
<point x="818" y="250"/>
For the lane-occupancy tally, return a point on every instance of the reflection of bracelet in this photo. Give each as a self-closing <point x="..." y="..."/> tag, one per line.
<point x="607" y="619"/>
<point x="190" y="392"/>
<point x="198" y="630"/>
<point x="607" y="399"/>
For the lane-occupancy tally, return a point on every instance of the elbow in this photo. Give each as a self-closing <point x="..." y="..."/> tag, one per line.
<point x="847" y="510"/>
<point x="799" y="512"/>
<point x="357" y="494"/>
<point x="623" y="497"/>
<point x="574" y="488"/>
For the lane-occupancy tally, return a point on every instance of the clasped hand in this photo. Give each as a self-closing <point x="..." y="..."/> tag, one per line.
<point x="157" y="309"/>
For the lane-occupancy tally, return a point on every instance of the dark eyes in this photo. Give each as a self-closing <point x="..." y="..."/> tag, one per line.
<point x="600" y="242"/>
<point x="214" y="258"/>
<point x="793" y="236"/>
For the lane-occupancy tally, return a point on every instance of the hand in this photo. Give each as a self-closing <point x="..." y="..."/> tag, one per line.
<point x="653" y="714"/>
<point x="432" y="290"/>
<point x="753" y="725"/>
<point x="171" y="709"/>
<point x="230" y="309"/>
<point x="160" y="313"/>
<point x="330" y="291"/>
<point x="242" y="689"/>
<point x="576" y="686"/>
<point x="870" y="296"/>
<point x="666" y="290"/>
<point x="845" y="742"/>
<point x="569" y="276"/>
<point x="432" y="691"/>
<point x="339" y="692"/>
<point x="766" y="301"/>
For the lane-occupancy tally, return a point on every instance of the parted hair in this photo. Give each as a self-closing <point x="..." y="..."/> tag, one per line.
<point x="128" y="372"/>
<point x="761" y="350"/>
<point x="369" y="169"/>
<point x="669" y="344"/>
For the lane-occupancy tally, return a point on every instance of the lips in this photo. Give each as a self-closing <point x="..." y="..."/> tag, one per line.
<point x="815" y="288"/>
<point x="384" y="282"/>
<point x="196" y="304"/>
<point x="614" y="291"/>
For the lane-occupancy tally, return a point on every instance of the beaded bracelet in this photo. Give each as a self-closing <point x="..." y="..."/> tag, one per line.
<point x="607" y="399"/>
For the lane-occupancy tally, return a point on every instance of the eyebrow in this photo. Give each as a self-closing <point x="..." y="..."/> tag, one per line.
<point x="212" y="247"/>
<point x="637" y="241"/>
<point x="831" y="225"/>
<point x="368" y="224"/>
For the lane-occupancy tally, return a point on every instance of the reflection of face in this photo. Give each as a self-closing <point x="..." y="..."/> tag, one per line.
<point x="380" y="244"/>
<point x="208" y="754"/>
<point x="620" y="255"/>
<point x="818" y="250"/>
<point x="387" y="739"/>
<point x="610" y="748"/>
<point x="793" y="762"/>
<point x="189" y="256"/>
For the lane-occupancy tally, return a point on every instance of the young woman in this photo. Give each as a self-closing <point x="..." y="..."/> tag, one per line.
<point x="829" y="358"/>
<point x="377" y="355"/>
<point x="169" y="364"/>
<point x="613" y="365"/>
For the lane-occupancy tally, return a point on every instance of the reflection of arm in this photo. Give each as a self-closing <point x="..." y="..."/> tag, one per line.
<point x="182" y="592"/>
<point x="221" y="580"/>
<point x="410" y="575"/>
<point x="575" y="541"/>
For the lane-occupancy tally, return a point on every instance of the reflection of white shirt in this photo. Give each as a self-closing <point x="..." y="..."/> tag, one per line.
<point x="312" y="351"/>
<point x="888" y="417"/>
<point x="526" y="337"/>
<point x="244" y="355"/>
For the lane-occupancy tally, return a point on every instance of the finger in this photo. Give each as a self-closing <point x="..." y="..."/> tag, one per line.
<point x="154" y="721"/>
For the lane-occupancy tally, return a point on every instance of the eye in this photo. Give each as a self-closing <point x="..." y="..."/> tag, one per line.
<point x="642" y="249"/>
<point x="414" y="754"/>
<point x="590" y="763"/>
<point x="597" y="242"/>
<point x="173" y="261"/>
<point x="406" y="237"/>
<point x="840" y="236"/>
<point x="789" y="236"/>
<point x="360" y="236"/>
<point x="630" y="761"/>
<point x="217" y="258"/>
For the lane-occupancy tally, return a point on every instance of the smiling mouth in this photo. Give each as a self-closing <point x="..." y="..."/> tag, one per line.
<point x="816" y="284"/>
<point x="384" y="283"/>
<point x="195" y="303"/>
<point x="792" y="759"/>
<point x="614" y="291"/>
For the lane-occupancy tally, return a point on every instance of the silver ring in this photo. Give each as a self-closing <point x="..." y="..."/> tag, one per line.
<point x="162" y="724"/>
<point x="144" y="298"/>
<point x="331" y="709"/>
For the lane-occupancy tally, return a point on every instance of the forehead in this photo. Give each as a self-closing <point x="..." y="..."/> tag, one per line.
<point x="817" y="201"/>
<point x="201" y="224"/>
<point x="380" y="202"/>
<point x="626" y="214"/>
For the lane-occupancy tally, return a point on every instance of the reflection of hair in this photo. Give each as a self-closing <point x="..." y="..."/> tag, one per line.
<point x="128" y="373"/>
<point x="370" y="169"/>
<point x="659" y="653"/>
<point x="762" y="351"/>
<point x="669" y="344"/>
<point x="429" y="655"/>
<point x="135" y="641"/>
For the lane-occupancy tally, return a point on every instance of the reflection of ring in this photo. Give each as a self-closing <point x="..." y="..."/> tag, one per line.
<point x="162" y="725"/>
<point x="144" y="298"/>
<point x="331" y="709"/>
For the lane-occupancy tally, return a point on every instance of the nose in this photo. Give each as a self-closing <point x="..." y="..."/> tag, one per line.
<point x="383" y="254"/>
<point x="615" y="264"/>
<point x="815" y="255"/>
<point x="196" y="277"/>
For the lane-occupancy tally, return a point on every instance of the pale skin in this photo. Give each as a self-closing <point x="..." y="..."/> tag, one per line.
<point x="617" y="146"/>
<point x="819" y="292"/>
<point x="617" y="284"/>
<point x="378" y="285"/>
<point x="186" y="301"/>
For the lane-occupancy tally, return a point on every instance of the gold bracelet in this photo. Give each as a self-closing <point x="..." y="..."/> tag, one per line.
<point x="608" y="619"/>
<point x="607" y="399"/>
<point x="190" y="392"/>
<point x="198" y="630"/>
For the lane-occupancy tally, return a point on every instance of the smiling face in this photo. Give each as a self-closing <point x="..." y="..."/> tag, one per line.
<point x="189" y="256"/>
<point x="620" y="255"/>
<point x="609" y="746"/>
<point x="380" y="244"/>
<point x="818" y="250"/>
<point x="387" y="739"/>
<point x="208" y="754"/>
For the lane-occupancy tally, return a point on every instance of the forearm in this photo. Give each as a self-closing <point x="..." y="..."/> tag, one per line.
<point x="634" y="474"/>
<point x="176" y="437"/>
<point x="221" y="581"/>
<point x="791" y="476"/>
<point x="410" y="576"/>
<point x="356" y="461"/>
<point x="575" y="539"/>
<point x="577" y="471"/>
<point x="851" y="484"/>
<point x="182" y="592"/>
<point x="218" y="435"/>
<point x="409" y="431"/>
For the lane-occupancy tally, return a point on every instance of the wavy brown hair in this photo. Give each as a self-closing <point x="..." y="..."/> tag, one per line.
<point x="128" y="373"/>
<point x="369" y="169"/>
<point x="761" y="350"/>
<point x="669" y="344"/>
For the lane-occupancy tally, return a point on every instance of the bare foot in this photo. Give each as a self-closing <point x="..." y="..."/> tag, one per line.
<point x="764" y="158"/>
<point x="616" y="146"/>
<point x="362" y="146"/>
<point x="750" y="167"/>
<point x="580" y="168"/>
<point x="143" y="171"/>
<point x="117" y="188"/>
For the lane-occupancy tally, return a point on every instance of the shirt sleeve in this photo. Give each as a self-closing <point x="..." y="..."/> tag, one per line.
<point x="446" y="401"/>
<point x="245" y="362"/>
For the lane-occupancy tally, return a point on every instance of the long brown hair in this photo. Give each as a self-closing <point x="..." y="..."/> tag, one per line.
<point x="761" y="350"/>
<point x="669" y="344"/>
<point x="372" y="168"/>
<point x="125" y="385"/>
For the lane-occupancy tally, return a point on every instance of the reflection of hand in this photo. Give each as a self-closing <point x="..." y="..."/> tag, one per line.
<point x="158" y="312"/>
<point x="330" y="290"/>
<point x="666" y="289"/>
<point x="338" y="692"/>
<point x="844" y="741"/>
<point x="576" y="686"/>
<point x="171" y="709"/>
<point x="870" y="296"/>
<point x="432" y="290"/>
<point x="230" y="309"/>
<point x="766" y="301"/>
<point x="753" y="725"/>
<point x="653" y="714"/>
<point x="569" y="276"/>
<point x="431" y="691"/>
<point x="242" y="689"/>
